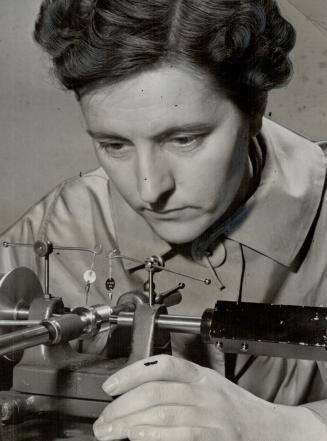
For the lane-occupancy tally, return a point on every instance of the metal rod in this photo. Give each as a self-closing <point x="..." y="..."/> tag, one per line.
<point x="173" y="323"/>
<point x="151" y="288"/>
<point x="14" y="244"/>
<point x="96" y="250"/>
<point x="161" y="268"/>
<point x="58" y="247"/>
<point x="23" y="339"/>
<point x="131" y="259"/>
<point x="47" y="276"/>
<point x="27" y="338"/>
<point x="22" y="313"/>
<point x="206" y="281"/>
<point x="183" y="324"/>
<point x="19" y="322"/>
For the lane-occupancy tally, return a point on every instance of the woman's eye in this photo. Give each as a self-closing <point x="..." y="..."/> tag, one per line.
<point x="185" y="140"/>
<point x="114" y="148"/>
<point x="111" y="145"/>
<point x="188" y="141"/>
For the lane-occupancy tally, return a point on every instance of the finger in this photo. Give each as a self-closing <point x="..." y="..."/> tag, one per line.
<point x="150" y="433"/>
<point x="156" y="368"/>
<point x="162" y="416"/>
<point x="153" y="394"/>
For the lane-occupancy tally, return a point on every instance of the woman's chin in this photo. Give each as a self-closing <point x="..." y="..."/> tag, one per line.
<point x="177" y="232"/>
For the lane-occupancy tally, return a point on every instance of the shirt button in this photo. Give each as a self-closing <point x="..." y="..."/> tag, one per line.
<point x="216" y="254"/>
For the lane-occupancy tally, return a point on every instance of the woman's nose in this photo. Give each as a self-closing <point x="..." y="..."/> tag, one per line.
<point x="155" y="178"/>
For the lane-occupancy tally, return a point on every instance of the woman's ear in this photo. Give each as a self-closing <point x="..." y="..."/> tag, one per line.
<point x="255" y="124"/>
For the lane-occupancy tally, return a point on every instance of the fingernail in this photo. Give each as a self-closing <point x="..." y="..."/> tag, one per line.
<point x="110" y="385"/>
<point x="100" y="420"/>
<point x="102" y="431"/>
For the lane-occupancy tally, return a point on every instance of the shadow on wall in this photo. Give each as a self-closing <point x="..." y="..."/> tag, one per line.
<point x="302" y="105"/>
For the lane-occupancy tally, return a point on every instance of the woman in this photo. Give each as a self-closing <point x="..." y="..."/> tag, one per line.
<point x="173" y="94"/>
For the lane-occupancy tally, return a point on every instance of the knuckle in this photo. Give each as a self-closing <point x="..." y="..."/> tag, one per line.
<point x="192" y="414"/>
<point x="191" y="369"/>
<point x="148" y="392"/>
<point x="172" y="364"/>
<point x="162" y="414"/>
<point x="165" y="416"/>
<point x="153" y="393"/>
<point x="191" y="434"/>
<point x="190" y="392"/>
<point x="165" y="360"/>
<point x="118" y="426"/>
<point x="155" y="435"/>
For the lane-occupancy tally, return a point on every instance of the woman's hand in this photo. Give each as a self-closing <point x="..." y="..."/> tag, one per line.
<point x="169" y="399"/>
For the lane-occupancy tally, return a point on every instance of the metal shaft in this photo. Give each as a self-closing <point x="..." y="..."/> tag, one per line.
<point x="151" y="289"/>
<point x="4" y="323"/>
<point x="173" y="323"/>
<point x="27" y="338"/>
<point x="23" y="339"/>
<point x="47" y="276"/>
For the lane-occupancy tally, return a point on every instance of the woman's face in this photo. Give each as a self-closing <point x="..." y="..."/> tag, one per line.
<point x="175" y="147"/>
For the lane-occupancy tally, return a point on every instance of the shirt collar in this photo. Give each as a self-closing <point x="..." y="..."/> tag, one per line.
<point x="274" y="221"/>
<point x="277" y="218"/>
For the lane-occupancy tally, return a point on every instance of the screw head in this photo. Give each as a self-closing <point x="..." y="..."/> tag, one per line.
<point x="244" y="347"/>
<point x="42" y="248"/>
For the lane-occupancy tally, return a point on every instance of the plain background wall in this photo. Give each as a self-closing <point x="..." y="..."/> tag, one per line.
<point x="41" y="129"/>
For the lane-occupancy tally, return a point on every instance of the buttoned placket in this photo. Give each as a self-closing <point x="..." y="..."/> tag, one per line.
<point x="227" y="265"/>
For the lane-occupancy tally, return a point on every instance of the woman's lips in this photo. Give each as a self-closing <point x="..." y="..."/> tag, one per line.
<point x="166" y="214"/>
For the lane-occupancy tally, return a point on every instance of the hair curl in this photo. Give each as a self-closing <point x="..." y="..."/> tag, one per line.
<point x="244" y="44"/>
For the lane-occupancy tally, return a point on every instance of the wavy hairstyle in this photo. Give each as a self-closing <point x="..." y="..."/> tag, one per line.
<point x="244" y="44"/>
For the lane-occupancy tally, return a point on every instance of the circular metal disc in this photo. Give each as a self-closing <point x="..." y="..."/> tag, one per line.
<point x="89" y="276"/>
<point x="18" y="288"/>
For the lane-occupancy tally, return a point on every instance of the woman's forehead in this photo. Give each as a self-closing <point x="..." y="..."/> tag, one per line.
<point x="168" y="92"/>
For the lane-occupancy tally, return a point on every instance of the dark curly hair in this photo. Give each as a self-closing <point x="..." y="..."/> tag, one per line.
<point x="244" y="44"/>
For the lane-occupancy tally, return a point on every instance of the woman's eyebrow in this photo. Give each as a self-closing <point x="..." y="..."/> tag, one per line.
<point x="164" y="134"/>
<point x="183" y="128"/>
<point x="104" y="135"/>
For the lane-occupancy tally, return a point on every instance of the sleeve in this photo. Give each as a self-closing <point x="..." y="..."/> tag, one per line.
<point x="319" y="408"/>
<point x="74" y="213"/>
<point x="25" y="231"/>
<point x="29" y="228"/>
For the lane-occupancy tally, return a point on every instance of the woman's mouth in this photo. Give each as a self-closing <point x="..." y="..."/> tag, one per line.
<point x="169" y="214"/>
